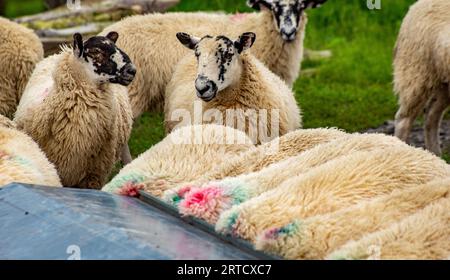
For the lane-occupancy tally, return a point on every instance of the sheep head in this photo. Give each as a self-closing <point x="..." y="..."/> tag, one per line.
<point x="103" y="60"/>
<point x="219" y="61"/>
<point x="286" y="13"/>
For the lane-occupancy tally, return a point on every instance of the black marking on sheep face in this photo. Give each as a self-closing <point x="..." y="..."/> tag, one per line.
<point x="106" y="61"/>
<point x="216" y="57"/>
<point x="218" y="61"/>
<point x="224" y="56"/>
<point x="286" y="13"/>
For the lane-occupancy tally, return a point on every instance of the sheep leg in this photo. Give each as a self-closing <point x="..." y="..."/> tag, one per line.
<point x="125" y="155"/>
<point x="403" y="125"/>
<point x="407" y="114"/>
<point x="99" y="168"/>
<point x="433" y="120"/>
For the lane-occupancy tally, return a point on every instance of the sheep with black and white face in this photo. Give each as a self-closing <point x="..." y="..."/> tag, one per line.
<point x="76" y="107"/>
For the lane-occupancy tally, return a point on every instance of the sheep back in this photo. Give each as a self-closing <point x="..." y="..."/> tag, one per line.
<point x="174" y="160"/>
<point x="20" y="51"/>
<point x="21" y="160"/>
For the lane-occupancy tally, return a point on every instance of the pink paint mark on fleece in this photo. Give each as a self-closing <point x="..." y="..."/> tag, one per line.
<point x="184" y="190"/>
<point x="201" y="197"/>
<point x="272" y="233"/>
<point x="4" y="155"/>
<point x="238" y="17"/>
<point x="131" y="189"/>
<point x="45" y="93"/>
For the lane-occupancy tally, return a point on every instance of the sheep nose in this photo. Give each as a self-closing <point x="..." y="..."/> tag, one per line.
<point x="131" y="70"/>
<point x="289" y="32"/>
<point x="202" y="85"/>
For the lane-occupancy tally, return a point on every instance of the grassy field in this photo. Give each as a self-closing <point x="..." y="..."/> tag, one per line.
<point x="352" y="90"/>
<point x="23" y="7"/>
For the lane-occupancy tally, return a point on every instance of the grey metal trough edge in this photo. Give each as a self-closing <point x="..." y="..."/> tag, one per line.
<point x="240" y="244"/>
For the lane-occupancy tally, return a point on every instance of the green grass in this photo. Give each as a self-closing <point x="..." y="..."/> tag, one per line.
<point x="352" y="90"/>
<point x="147" y="131"/>
<point x="23" y="7"/>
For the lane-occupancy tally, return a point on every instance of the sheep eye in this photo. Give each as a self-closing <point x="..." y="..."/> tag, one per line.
<point x="99" y="56"/>
<point x="229" y="55"/>
<point x="96" y="53"/>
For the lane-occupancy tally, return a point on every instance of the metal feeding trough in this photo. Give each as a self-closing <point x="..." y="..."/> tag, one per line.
<point x="60" y="223"/>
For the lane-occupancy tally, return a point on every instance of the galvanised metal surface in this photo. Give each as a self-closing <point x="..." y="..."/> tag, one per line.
<point x="200" y="224"/>
<point x="56" y="223"/>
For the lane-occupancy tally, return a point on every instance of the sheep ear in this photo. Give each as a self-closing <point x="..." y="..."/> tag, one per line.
<point x="314" y="3"/>
<point x="113" y="36"/>
<point x="254" y="4"/>
<point x="258" y="4"/>
<point x="78" y="47"/>
<point x="187" y="40"/>
<point x="245" y="41"/>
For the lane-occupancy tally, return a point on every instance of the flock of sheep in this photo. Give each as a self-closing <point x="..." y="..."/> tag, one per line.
<point x="65" y="120"/>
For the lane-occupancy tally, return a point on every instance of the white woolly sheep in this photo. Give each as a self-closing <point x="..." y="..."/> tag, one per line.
<point x="317" y="236"/>
<point x="150" y="40"/>
<point x="184" y="155"/>
<point x="74" y="112"/>
<point x="231" y="88"/>
<point x="332" y="186"/>
<point x="236" y="190"/>
<point x="422" y="69"/>
<point x="20" y="51"/>
<point x="21" y="160"/>
<point x="424" y="235"/>
<point x="259" y="157"/>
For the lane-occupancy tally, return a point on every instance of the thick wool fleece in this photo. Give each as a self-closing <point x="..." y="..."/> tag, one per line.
<point x="20" y="50"/>
<point x="260" y="157"/>
<point x="21" y="160"/>
<point x="332" y="186"/>
<point x="315" y="237"/>
<point x="184" y="155"/>
<point x="422" y="67"/>
<point x="80" y="125"/>
<point x="236" y="190"/>
<point x="424" y="235"/>
<point x="258" y="89"/>
<point x="150" y="40"/>
<point x="7" y="123"/>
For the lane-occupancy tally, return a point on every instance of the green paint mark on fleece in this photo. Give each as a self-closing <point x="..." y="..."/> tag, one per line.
<point x="282" y="232"/>
<point x="239" y="195"/>
<point x="290" y="228"/>
<point x="231" y="221"/>
<point x="236" y="189"/>
<point x="176" y="200"/>
<point x="25" y="162"/>
<point x="119" y="181"/>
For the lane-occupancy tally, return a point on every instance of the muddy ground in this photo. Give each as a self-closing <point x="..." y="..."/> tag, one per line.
<point x="417" y="134"/>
